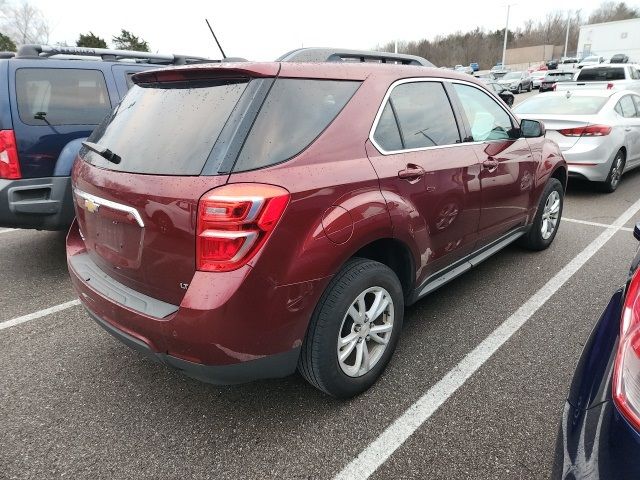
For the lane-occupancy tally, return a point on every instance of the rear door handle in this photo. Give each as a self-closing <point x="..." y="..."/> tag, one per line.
<point x="411" y="172"/>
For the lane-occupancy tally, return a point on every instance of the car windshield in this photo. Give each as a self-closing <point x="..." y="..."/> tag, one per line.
<point x="512" y="75"/>
<point x="559" y="76"/>
<point x="591" y="59"/>
<point x="561" y="105"/>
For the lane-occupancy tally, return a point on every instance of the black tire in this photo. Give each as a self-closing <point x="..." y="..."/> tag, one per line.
<point x="534" y="238"/>
<point x="318" y="362"/>
<point x="520" y="88"/>
<point x="510" y="102"/>
<point x="530" y="87"/>
<point x="613" y="179"/>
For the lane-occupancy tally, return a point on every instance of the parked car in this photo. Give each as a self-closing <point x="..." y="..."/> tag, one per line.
<point x="321" y="211"/>
<point x="599" y="434"/>
<point x="474" y="66"/>
<point x="590" y="60"/>
<point x="598" y="131"/>
<point x="537" y="68"/>
<point x="552" y="64"/>
<point x="537" y="77"/>
<point x="569" y="60"/>
<point x="607" y="76"/>
<point x="500" y="90"/>
<point x="463" y="69"/>
<point x="517" y="82"/>
<point x="53" y="98"/>
<point x="619" y="58"/>
<point x="552" y="78"/>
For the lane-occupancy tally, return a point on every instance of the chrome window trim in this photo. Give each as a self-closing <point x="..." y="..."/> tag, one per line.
<point x="103" y="202"/>
<point x="427" y="79"/>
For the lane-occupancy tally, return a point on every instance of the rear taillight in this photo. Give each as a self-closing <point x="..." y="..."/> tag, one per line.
<point x="587" y="131"/>
<point x="626" y="372"/>
<point x="234" y="221"/>
<point x="9" y="166"/>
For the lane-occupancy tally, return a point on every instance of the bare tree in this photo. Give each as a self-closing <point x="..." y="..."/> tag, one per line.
<point x="24" y="23"/>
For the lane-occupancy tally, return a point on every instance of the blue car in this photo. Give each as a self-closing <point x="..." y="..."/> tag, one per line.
<point x="52" y="99"/>
<point x="474" y="66"/>
<point x="599" y="435"/>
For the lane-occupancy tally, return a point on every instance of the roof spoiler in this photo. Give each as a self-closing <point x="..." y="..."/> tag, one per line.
<point x="106" y="54"/>
<point x="344" y="55"/>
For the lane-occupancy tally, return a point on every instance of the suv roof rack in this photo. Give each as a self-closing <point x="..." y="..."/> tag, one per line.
<point x="318" y="54"/>
<point x="7" y="54"/>
<point x="46" y="51"/>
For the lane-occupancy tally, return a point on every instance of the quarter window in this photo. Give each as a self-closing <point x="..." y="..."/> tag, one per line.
<point x="487" y="119"/>
<point x="625" y="107"/>
<point x="387" y="134"/>
<point x="65" y="96"/>
<point x="424" y="115"/>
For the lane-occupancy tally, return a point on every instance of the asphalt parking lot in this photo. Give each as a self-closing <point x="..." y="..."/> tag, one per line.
<point x="76" y="403"/>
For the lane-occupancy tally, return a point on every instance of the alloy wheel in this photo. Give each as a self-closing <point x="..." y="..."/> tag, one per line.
<point x="616" y="171"/>
<point x="365" y="331"/>
<point x="550" y="215"/>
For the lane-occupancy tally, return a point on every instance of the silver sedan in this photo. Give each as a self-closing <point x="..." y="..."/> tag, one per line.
<point x="598" y="131"/>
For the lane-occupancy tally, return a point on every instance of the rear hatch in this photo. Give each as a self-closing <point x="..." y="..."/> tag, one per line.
<point x="138" y="216"/>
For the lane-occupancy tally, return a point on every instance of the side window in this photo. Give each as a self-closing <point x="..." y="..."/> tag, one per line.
<point x="487" y="119"/>
<point x="66" y="96"/>
<point x="625" y="107"/>
<point x="636" y="99"/>
<point x="424" y="115"/>
<point x="634" y="73"/>
<point x="387" y="134"/>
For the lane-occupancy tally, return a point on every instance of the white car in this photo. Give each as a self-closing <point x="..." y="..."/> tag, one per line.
<point x="598" y="131"/>
<point x="537" y="77"/>
<point x="590" y="60"/>
<point x="609" y="76"/>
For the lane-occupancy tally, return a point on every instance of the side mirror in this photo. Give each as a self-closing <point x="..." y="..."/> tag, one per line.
<point x="531" y="128"/>
<point x="636" y="231"/>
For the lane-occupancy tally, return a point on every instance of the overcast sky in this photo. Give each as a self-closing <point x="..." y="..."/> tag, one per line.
<point x="263" y="30"/>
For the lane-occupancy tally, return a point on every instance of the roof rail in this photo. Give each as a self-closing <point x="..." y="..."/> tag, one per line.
<point x="46" y="51"/>
<point x="7" y="54"/>
<point x="316" y="54"/>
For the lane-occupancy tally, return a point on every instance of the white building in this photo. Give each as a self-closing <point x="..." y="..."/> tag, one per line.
<point x="607" y="39"/>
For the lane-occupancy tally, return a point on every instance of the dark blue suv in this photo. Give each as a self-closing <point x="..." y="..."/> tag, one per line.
<point x="51" y="99"/>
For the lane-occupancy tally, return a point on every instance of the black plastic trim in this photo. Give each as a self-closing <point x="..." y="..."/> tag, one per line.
<point x="270" y="366"/>
<point x="465" y="264"/>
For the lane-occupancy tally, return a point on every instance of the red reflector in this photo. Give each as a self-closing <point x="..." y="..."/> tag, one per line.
<point x="586" y="131"/>
<point x="9" y="166"/>
<point x="626" y="372"/>
<point x="234" y="221"/>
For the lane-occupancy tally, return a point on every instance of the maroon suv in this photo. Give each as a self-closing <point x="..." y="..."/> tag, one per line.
<point x="239" y="221"/>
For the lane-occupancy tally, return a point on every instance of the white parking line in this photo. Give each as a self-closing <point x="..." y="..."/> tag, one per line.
<point x="378" y="451"/>
<point x="39" y="314"/>
<point x="595" y="224"/>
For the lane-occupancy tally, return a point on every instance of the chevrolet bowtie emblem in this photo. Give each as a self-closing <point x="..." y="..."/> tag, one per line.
<point x="91" y="206"/>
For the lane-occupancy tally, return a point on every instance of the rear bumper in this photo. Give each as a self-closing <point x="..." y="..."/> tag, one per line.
<point x="230" y="327"/>
<point x="271" y="366"/>
<point x="40" y="203"/>
<point x="590" y="161"/>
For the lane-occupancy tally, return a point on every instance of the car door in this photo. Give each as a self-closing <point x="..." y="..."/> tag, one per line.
<point x="508" y="168"/>
<point x="428" y="176"/>
<point x="628" y="111"/>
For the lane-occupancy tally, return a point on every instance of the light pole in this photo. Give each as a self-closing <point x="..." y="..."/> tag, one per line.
<point x="506" y="34"/>
<point x="566" y="39"/>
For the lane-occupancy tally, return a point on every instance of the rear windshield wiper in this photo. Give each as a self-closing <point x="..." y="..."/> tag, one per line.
<point x="102" y="151"/>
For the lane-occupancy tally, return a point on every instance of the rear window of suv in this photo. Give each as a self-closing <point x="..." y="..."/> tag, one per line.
<point x="601" y="74"/>
<point x="166" y="129"/>
<point x="65" y="96"/>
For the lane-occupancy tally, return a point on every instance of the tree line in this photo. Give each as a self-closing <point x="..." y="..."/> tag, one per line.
<point x="485" y="47"/>
<point x="21" y="22"/>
